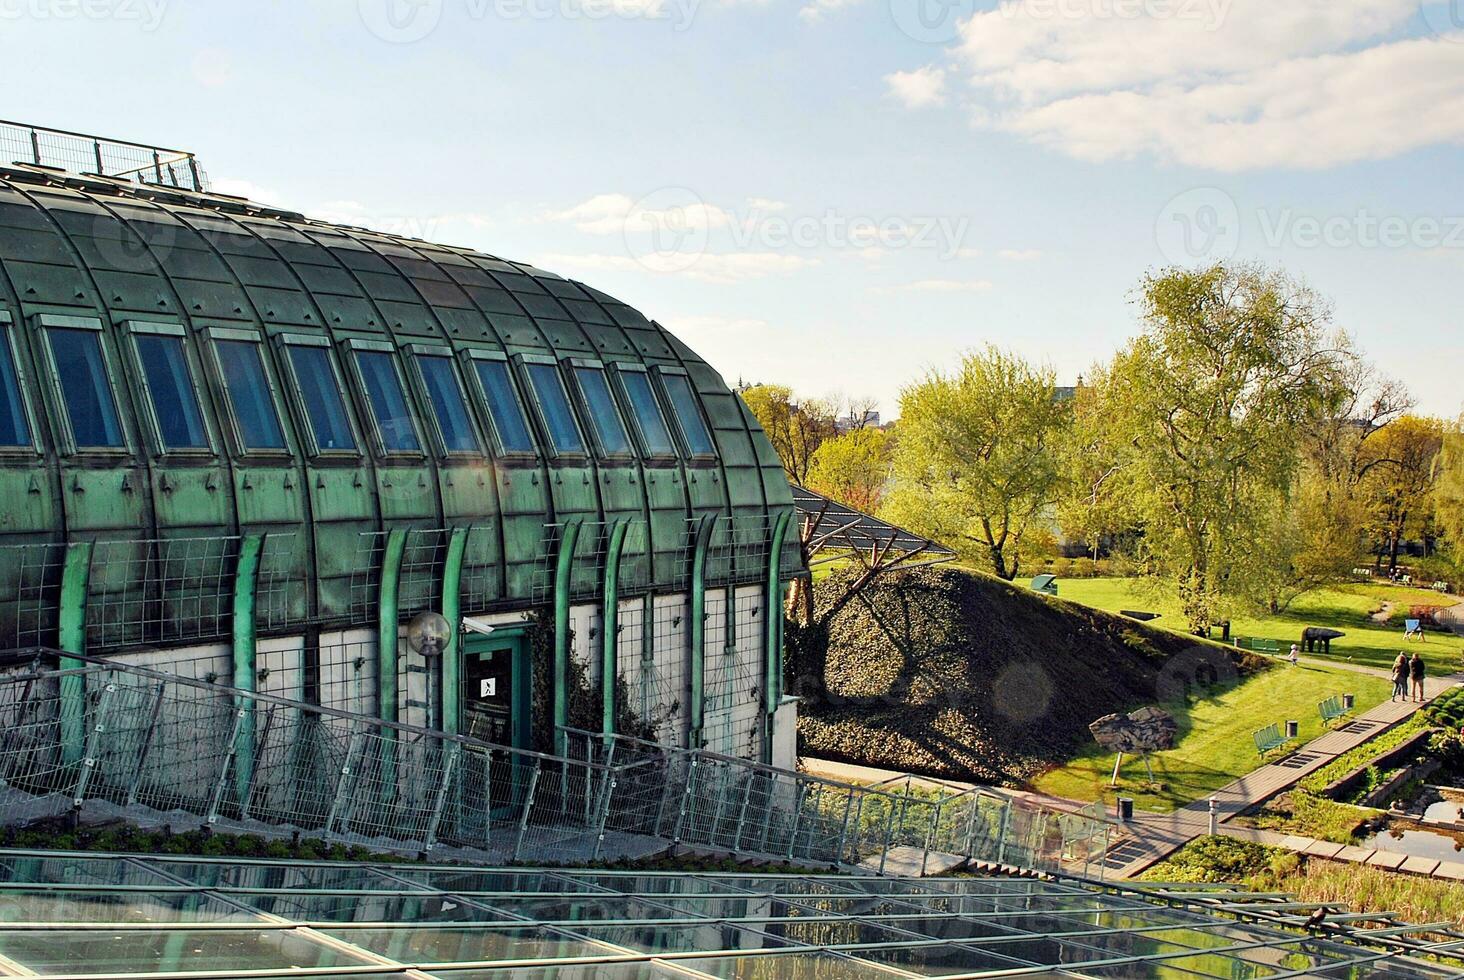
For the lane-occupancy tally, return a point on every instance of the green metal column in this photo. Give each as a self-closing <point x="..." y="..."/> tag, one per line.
<point x="387" y="625"/>
<point x="610" y="621"/>
<point x="71" y="638"/>
<point x="563" y="569"/>
<point x="452" y="611"/>
<point x="246" y="582"/>
<point x="698" y="627"/>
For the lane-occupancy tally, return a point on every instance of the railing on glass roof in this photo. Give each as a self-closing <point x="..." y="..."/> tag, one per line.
<point x="82" y="153"/>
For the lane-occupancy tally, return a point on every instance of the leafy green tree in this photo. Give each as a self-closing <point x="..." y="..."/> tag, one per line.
<point x="976" y="464"/>
<point x="795" y="428"/>
<point x="853" y="468"/>
<point x="1400" y="487"/>
<point x="1448" y="492"/>
<point x="1209" y="405"/>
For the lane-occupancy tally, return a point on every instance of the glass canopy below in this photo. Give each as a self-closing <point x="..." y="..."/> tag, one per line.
<point x="70" y="915"/>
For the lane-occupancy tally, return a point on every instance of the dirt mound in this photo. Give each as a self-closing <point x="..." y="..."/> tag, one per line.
<point x="960" y="675"/>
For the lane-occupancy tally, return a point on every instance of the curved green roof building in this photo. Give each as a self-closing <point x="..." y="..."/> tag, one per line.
<point x="242" y="445"/>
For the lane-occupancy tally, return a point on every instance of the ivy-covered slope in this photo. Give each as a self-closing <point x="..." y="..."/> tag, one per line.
<point x="960" y="675"/>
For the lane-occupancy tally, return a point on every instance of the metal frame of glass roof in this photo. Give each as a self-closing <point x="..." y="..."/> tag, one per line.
<point x="116" y="916"/>
<point x="831" y="531"/>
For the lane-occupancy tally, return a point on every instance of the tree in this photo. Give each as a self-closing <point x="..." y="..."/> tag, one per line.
<point x="1448" y="494"/>
<point x="975" y="464"/>
<point x="1399" y="489"/>
<point x="1208" y="405"/>
<point x="795" y="428"/>
<point x="1091" y="505"/>
<point x="853" y="468"/>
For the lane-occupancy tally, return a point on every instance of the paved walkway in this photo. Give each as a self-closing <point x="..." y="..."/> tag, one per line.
<point x="1156" y="836"/>
<point x="1376" y="857"/>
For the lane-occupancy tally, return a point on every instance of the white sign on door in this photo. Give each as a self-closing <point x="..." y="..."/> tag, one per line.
<point x="488" y="687"/>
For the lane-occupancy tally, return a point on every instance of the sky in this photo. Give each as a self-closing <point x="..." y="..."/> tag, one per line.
<point x="837" y="195"/>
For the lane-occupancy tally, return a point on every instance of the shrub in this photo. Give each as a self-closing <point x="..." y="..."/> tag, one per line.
<point x="1061" y="567"/>
<point x="1083" y="568"/>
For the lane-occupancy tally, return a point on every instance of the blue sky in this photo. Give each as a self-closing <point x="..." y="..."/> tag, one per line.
<point x="834" y="194"/>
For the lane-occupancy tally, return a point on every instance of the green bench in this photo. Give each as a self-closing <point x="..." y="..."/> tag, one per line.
<point x="1264" y="646"/>
<point x="1331" y="709"/>
<point x="1269" y="738"/>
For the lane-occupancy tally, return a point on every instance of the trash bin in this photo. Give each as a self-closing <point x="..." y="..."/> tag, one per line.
<point x="1349" y="701"/>
<point x="1125" y="810"/>
<point x="1293" y="729"/>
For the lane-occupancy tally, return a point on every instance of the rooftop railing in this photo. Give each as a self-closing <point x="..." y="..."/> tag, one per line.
<point x="85" y="154"/>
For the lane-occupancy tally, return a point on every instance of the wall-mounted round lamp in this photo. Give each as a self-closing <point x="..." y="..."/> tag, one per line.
<point x="428" y="634"/>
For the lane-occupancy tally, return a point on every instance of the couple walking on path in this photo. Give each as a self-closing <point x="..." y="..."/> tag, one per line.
<point x="1405" y="670"/>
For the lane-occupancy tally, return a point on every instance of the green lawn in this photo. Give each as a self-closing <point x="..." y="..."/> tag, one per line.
<point x="1343" y="607"/>
<point x="1215" y="745"/>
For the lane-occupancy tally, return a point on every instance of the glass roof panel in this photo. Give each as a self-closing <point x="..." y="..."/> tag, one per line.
<point x="137" y="951"/>
<point x="167" y="915"/>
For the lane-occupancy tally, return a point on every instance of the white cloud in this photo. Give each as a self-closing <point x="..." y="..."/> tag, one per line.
<point x="1221" y="84"/>
<point x="1020" y="254"/>
<point x="612" y="214"/>
<point x="715" y="267"/>
<point x="919" y="88"/>
<point x="765" y="204"/>
<point x="946" y="286"/>
<point x="245" y="188"/>
<point x="814" y="11"/>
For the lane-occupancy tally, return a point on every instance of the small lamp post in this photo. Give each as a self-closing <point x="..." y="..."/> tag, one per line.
<point x="428" y="634"/>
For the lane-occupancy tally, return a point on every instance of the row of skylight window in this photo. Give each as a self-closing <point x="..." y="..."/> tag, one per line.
<point x="477" y="401"/>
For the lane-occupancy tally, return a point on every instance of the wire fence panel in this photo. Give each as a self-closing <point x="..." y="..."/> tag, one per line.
<point x="131" y="741"/>
<point x="127" y="740"/>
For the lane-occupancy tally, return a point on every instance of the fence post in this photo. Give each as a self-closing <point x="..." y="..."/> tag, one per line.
<point x="607" y="796"/>
<point x="218" y="791"/>
<point x="844" y="828"/>
<point x="930" y="833"/>
<point x="90" y="751"/>
<point x="685" y="798"/>
<point x="146" y="747"/>
<point x="1001" y="836"/>
<point x="435" y="820"/>
<point x="857" y="823"/>
<point x="523" y="826"/>
<point x="888" y="837"/>
<point x="797" y="816"/>
<point x="352" y="751"/>
<point x="248" y="791"/>
<point x="742" y="810"/>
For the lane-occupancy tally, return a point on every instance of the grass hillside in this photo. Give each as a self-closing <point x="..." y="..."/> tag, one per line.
<point x="957" y="674"/>
<point x="1349" y="608"/>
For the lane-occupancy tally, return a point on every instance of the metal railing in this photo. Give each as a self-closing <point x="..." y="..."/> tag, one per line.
<point x="120" y="740"/>
<point x="703" y="799"/>
<point x="128" y="741"/>
<point x="84" y="153"/>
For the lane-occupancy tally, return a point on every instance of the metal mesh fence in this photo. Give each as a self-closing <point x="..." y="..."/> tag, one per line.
<point x="79" y="153"/>
<point x="587" y="571"/>
<point x="133" y="741"/>
<point x="703" y="799"/>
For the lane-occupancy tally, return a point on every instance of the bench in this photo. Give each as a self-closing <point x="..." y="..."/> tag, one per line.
<point x="1331" y="709"/>
<point x="1264" y="646"/>
<point x="1269" y="738"/>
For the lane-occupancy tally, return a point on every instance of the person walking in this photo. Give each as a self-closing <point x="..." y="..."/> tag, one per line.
<point x="1416" y="670"/>
<point x="1400" y="676"/>
<point x="1295" y="654"/>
